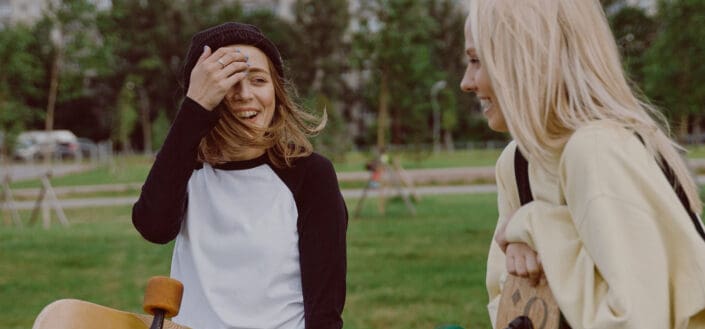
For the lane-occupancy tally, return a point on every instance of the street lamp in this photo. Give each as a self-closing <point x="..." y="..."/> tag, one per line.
<point x="435" y="89"/>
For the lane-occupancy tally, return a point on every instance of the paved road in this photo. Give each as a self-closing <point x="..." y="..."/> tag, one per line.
<point x="34" y="170"/>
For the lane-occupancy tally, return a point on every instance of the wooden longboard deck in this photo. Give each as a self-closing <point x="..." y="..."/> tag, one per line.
<point x="78" y="314"/>
<point x="520" y="298"/>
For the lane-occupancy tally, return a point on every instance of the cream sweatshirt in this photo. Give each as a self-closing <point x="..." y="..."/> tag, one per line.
<point x="617" y="247"/>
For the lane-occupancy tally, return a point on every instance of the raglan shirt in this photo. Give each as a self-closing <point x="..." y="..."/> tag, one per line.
<point x="256" y="246"/>
<point x="617" y="247"/>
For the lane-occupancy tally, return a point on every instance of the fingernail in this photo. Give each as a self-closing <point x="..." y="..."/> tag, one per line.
<point x="248" y="65"/>
<point x="205" y="48"/>
<point x="247" y="58"/>
<point x="237" y="50"/>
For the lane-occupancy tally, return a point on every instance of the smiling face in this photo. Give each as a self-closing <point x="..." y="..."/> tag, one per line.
<point x="253" y="100"/>
<point x="476" y="80"/>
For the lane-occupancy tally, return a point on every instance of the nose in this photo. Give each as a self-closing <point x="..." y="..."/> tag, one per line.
<point x="239" y="92"/>
<point x="468" y="83"/>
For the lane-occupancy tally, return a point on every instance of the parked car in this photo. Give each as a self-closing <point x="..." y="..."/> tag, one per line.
<point x="35" y="144"/>
<point x="26" y="149"/>
<point x="87" y="147"/>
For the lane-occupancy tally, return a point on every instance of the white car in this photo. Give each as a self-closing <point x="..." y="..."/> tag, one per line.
<point x="35" y="144"/>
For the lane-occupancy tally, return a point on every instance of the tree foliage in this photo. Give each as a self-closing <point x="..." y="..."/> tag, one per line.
<point x="394" y="46"/>
<point x="317" y="62"/>
<point x="21" y="73"/>
<point x="346" y="61"/>
<point x="634" y="31"/>
<point x="675" y="75"/>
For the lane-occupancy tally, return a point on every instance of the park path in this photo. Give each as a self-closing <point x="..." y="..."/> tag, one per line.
<point x="347" y="193"/>
<point x="463" y="180"/>
<point x="24" y="171"/>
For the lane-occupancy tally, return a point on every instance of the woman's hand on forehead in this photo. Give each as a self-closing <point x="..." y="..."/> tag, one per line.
<point x="215" y="73"/>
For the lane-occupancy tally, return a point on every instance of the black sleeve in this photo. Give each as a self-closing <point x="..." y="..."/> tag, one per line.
<point x="323" y="260"/>
<point x="158" y="212"/>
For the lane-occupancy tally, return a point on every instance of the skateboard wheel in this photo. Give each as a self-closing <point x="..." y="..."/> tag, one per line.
<point x="163" y="293"/>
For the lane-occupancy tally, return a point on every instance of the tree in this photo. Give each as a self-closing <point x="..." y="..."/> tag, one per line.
<point x="19" y="79"/>
<point x="320" y="58"/>
<point x="126" y="113"/>
<point x="317" y="65"/>
<point x="145" y="36"/>
<point x="149" y="40"/>
<point x="448" y="58"/>
<point x="69" y="47"/>
<point x="634" y="31"/>
<point x="674" y="74"/>
<point x="394" y="46"/>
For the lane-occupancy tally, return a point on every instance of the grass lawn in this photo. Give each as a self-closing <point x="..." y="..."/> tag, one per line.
<point x="355" y="161"/>
<point x="123" y="169"/>
<point x="403" y="272"/>
<point x="697" y="151"/>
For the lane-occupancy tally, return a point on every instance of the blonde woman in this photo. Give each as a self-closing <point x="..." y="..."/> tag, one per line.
<point x="258" y="218"/>
<point x="617" y="245"/>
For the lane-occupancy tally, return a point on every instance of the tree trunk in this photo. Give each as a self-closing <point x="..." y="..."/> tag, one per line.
<point x="125" y="141"/>
<point x="53" y="90"/>
<point x="146" y="124"/>
<point x="448" y="141"/>
<point x="51" y="104"/>
<point x="382" y="115"/>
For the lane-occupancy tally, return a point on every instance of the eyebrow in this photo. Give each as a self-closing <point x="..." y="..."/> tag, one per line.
<point x="258" y="70"/>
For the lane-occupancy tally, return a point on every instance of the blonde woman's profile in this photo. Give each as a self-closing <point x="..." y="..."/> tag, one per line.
<point x="614" y="223"/>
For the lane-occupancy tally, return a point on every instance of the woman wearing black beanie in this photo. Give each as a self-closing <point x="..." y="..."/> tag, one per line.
<point x="258" y="218"/>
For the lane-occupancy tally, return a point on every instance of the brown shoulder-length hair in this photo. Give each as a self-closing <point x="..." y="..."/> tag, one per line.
<point x="285" y="139"/>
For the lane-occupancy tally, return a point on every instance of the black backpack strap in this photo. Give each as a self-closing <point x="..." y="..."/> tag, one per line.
<point x="521" y="172"/>
<point x="678" y="189"/>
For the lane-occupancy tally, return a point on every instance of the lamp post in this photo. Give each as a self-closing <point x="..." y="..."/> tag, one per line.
<point x="435" y="89"/>
<point x="57" y="40"/>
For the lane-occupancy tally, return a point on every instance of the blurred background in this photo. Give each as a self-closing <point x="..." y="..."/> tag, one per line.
<point x="88" y="89"/>
<point x="110" y="70"/>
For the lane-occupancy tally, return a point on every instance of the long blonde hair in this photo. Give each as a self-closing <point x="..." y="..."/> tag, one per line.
<point x="285" y="139"/>
<point x="554" y="66"/>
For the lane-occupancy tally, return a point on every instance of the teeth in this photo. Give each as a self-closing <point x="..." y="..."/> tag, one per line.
<point x="485" y="103"/>
<point x="246" y="114"/>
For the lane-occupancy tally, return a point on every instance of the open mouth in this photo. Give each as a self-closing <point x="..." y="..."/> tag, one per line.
<point x="247" y="115"/>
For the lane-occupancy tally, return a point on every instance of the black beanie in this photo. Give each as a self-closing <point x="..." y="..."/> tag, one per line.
<point x="227" y="34"/>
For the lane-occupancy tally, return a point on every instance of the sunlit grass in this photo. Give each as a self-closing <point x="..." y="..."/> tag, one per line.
<point x="355" y="161"/>
<point x="403" y="271"/>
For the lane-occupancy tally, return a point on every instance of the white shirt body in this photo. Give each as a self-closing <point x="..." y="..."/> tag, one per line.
<point x="237" y="253"/>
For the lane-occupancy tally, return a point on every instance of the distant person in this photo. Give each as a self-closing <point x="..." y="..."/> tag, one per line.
<point x="619" y="244"/>
<point x="258" y="218"/>
<point x="376" y="168"/>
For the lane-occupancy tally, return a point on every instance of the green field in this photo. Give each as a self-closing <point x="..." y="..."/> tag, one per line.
<point x="403" y="272"/>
